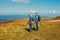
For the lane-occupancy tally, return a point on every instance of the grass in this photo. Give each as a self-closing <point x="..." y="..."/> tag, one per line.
<point x="16" y="31"/>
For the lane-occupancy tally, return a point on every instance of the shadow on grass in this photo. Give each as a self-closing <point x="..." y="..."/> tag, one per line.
<point x="29" y="29"/>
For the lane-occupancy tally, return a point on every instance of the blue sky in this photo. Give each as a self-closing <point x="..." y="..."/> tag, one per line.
<point x="26" y="6"/>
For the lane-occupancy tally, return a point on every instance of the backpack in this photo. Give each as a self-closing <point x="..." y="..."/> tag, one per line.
<point x="39" y="19"/>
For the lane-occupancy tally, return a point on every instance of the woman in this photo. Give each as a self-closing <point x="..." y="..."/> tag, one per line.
<point x="30" y="22"/>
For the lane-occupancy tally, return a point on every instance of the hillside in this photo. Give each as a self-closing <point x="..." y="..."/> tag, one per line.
<point x="57" y="18"/>
<point x="16" y="30"/>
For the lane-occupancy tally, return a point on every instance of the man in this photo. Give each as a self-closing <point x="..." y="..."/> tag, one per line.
<point x="36" y="20"/>
<point x="30" y="22"/>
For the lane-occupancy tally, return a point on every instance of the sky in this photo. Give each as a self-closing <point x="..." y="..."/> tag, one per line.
<point x="26" y="6"/>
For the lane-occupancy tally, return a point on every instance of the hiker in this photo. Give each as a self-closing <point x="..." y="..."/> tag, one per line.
<point x="30" y="22"/>
<point x="36" y="20"/>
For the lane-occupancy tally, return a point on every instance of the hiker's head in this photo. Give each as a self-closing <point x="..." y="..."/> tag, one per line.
<point x="36" y="13"/>
<point x="30" y="14"/>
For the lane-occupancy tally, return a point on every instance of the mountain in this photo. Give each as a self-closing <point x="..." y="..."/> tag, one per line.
<point x="18" y="30"/>
<point x="57" y="18"/>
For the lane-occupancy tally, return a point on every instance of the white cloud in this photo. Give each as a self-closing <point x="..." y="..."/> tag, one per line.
<point x="27" y="11"/>
<point x="53" y="11"/>
<point x="33" y="11"/>
<point x="50" y="12"/>
<point x="22" y="1"/>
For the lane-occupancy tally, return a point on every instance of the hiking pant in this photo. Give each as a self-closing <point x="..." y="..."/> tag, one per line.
<point x="36" y="25"/>
<point x="31" y="29"/>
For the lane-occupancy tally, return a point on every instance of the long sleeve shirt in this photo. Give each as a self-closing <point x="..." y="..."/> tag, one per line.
<point x="36" y="18"/>
<point x="30" y="19"/>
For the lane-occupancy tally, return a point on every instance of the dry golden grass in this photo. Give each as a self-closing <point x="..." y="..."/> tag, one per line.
<point x="15" y="30"/>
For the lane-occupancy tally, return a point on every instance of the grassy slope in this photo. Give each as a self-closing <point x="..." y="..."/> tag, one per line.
<point x="15" y="30"/>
